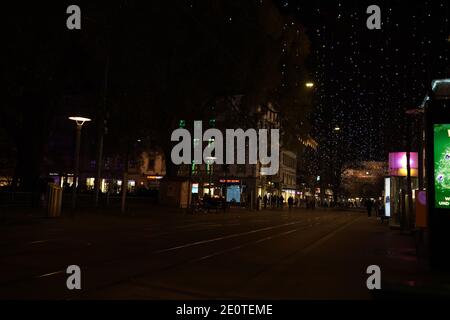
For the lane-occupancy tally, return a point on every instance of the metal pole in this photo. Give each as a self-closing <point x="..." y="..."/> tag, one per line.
<point x="124" y="192"/>
<point x="125" y="182"/>
<point x="189" y="188"/>
<point x="210" y="174"/>
<point x="421" y="145"/>
<point x="77" y="164"/>
<point x="101" y="134"/>
<point x="408" y="175"/>
<point x="99" y="168"/>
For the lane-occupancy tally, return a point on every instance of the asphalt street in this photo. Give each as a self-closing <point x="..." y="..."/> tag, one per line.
<point x="321" y="254"/>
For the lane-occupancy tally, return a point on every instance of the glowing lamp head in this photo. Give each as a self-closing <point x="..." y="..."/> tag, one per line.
<point x="309" y="85"/>
<point x="210" y="160"/>
<point x="79" y="120"/>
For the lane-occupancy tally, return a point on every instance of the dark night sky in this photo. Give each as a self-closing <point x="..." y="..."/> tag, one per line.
<point x="366" y="79"/>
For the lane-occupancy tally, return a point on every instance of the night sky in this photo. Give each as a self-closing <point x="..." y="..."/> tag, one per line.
<point x="200" y="50"/>
<point x="366" y="79"/>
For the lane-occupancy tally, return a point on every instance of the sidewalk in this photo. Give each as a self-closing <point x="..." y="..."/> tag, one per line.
<point x="409" y="276"/>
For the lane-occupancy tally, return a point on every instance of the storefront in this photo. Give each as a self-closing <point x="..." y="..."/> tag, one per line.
<point x="395" y="190"/>
<point x="286" y="193"/>
<point x="233" y="189"/>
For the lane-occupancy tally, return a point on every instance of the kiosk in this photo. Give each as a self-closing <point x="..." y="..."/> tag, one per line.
<point x="437" y="115"/>
<point x="395" y="190"/>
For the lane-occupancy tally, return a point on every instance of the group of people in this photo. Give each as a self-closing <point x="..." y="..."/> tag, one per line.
<point x="275" y="201"/>
<point x="376" y="205"/>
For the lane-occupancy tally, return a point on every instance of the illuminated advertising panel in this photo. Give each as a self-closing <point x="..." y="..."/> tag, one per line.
<point x="398" y="164"/>
<point x="442" y="165"/>
<point x="387" y="197"/>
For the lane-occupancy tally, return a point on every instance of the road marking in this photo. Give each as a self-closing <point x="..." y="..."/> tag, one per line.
<point x="244" y="245"/>
<point x="192" y="244"/>
<point x="42" y="241"/>
<point x="317" y="243"/>
<point x="50" y="274"/>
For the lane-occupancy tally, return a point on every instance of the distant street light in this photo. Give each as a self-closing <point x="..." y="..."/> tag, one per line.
<point x="309" y="84"/>
<point x="210" y="162"/>
<point x="79" y="121"/>
<point x="337" y="129"/>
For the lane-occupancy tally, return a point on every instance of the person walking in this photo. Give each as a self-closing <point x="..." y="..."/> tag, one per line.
<point x="369" y="205"/>
<point x="378" y="207"/>
<point x="290" y="203"/>
<point x="265" y="201"/>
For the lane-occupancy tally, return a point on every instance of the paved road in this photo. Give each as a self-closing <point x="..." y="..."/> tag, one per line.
<point x="274" y="254"/>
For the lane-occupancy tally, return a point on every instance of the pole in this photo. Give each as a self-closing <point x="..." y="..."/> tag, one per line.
<point x="210" y="174"/>
<point x="124" y="191"/>
<point x="421" y="162"/>
<point x="189" y="188"/>
<point x="101" y="135"/>
<point x="408" y="176"/>
<point x="99" y="167"/>
<point x="125" y="182"/>
<point x="77" y="164"/>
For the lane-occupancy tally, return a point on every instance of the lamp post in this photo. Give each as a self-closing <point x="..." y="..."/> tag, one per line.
<point x="210" y="162"/>
<point x="79" y="121"/>
<point x="411" y="116"/>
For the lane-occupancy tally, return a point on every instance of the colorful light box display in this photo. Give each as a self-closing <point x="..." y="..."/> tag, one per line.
<point x="387" y="197"/>
<point x="442" y="165"/>
<point x="398" y="164"/>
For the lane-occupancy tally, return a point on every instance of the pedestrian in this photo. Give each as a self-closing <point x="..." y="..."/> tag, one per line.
<point x="265" y="201"/>
<point x="43" y="186"/>
<point x="290" y="202"/>
<point x="377" y="206"/>
<point x="369" y="205"/>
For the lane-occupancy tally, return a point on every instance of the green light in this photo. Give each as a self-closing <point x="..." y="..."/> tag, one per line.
<point x="442" y="165"/>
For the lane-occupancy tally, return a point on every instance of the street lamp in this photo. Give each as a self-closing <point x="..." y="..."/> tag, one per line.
<point x="309" y="84"/>
<point x="210" y="162"/>
<point x="79" y="121"/>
